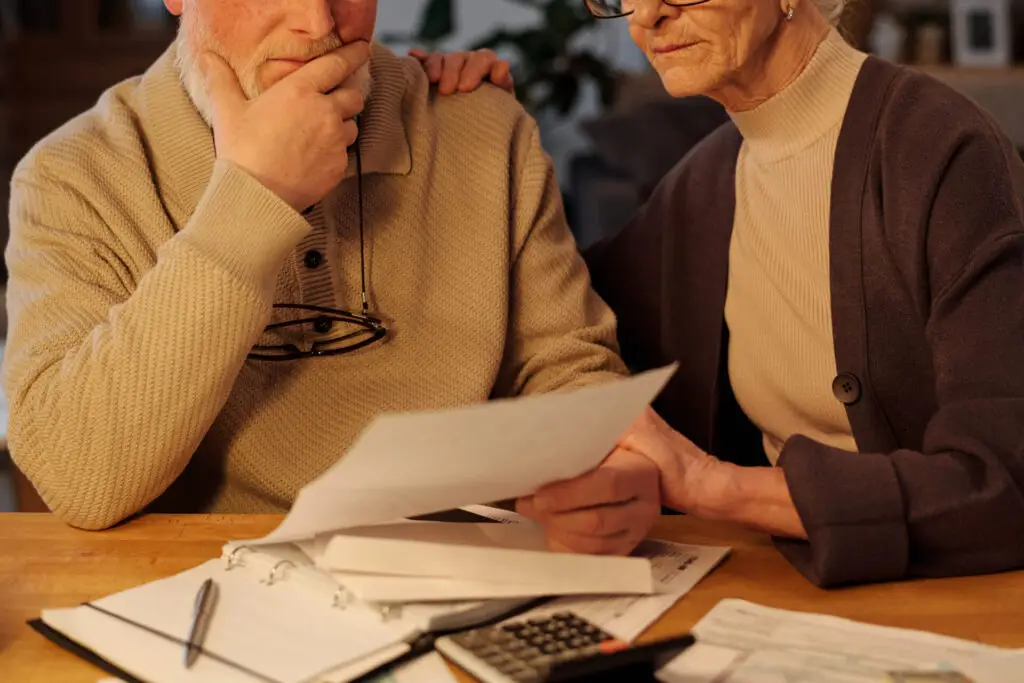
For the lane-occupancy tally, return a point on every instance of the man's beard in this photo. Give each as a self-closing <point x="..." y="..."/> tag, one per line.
<point x="194" y="38"/>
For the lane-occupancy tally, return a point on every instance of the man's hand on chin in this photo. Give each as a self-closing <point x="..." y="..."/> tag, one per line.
<point x="607" y="511"/>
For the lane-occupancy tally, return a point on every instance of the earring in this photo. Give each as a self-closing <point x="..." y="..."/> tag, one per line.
<point x="789" y="13"/>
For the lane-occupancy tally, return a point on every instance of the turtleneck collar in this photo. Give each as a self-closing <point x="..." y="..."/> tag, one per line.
<point x="806" y="109"/>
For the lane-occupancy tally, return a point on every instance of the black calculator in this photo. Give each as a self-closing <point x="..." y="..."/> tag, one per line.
<point x="559" y="647"/>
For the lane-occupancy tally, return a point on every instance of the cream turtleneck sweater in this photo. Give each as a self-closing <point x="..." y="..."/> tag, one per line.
<point x="778" y="307"/>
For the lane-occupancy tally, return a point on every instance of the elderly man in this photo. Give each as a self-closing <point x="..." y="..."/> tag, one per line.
<point x="226" y="268"/>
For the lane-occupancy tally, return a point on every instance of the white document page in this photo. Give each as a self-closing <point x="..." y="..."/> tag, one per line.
<point x="455" y="561"/>
<point x="286" y="635"/>
<point x="740" y="642"/>
<point x="411" y="464"/>
<point x="426" y="669"/>
<point x="677" y="568"/>
<point x="550" y="573"/>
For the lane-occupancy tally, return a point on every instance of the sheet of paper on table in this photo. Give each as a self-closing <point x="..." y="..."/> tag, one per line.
<point x="429" y="668"/>
<point x="677" y="567"/>
<point x="741" y="642"/>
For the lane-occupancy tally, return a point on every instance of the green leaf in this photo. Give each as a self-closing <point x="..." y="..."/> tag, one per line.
<point x="437" y="21"/>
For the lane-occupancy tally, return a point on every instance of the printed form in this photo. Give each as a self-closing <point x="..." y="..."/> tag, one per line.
<point x="741" y="642"/>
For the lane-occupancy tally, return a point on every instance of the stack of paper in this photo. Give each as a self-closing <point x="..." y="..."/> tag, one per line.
<point x="415" y="562"/>
<point x="741" y="642"/>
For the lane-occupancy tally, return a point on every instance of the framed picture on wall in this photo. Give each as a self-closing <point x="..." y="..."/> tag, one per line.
<point x="981" y="33"/>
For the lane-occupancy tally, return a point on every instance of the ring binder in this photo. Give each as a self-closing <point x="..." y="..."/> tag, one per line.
<point x="232" y="559"/>
<point x="342" y="598"/>
<point x="270" y="580"/>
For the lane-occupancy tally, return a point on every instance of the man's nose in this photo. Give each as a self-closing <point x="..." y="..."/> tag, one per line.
<point x="312" y="18"/>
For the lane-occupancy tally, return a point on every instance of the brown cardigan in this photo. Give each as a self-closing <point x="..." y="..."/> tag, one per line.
<point x="927" y="278"/>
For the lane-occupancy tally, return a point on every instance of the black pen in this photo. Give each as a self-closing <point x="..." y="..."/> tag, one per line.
<point x="205" y="599"/>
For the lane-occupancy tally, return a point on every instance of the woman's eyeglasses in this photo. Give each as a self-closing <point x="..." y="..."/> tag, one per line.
<point x="334" y="331"/>
<point x="613" y="9"/>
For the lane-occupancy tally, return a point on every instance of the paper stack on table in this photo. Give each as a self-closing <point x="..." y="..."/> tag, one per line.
<point x="741" y="642"/>
<point x="340" y="587"/>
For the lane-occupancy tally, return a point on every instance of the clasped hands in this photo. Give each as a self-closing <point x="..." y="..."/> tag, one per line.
<point x="611" y="509"/>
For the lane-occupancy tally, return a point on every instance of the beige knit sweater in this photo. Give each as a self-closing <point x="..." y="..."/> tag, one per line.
<point x="142" y="271"/>
<point x="778" y="306"/>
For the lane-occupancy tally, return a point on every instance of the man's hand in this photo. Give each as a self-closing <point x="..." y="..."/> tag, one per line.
<point x="294" y="137"/>
<point x="465" y="71"/>
<point x="607" y="511"/>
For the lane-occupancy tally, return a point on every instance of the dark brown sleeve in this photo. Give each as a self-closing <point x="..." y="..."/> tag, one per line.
<point x="626" y="272"/>
<point x="957" y="506"/>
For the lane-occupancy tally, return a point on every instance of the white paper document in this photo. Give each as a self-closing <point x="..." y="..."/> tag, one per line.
<point x="429" y="668"/>
<point x="417" y="463"/>
<point x="741" y="642"/>
<point x="287" y="635"/>
<point x="677" y="568"/>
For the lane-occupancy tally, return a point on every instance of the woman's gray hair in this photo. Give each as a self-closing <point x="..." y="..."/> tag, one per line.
<point x="832" y="9"/>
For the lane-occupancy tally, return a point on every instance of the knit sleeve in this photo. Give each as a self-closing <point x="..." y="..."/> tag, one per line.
<point x="561" y="334"/>
<point x="114" y="382"/>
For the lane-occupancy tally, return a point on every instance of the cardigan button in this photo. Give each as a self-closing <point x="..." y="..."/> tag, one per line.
<point x="846" y="388"/>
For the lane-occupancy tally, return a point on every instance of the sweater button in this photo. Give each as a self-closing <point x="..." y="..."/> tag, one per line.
<point x="313" y="259"/>
<point x="323" y="325"/>
<point x="846" y="388"/>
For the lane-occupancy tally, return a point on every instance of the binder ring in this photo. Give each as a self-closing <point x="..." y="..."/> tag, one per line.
<point x="232" y="560"/>
<point x="270" y="580"/>
<point x="342" y="598"/>
<point x="389" y="612"/>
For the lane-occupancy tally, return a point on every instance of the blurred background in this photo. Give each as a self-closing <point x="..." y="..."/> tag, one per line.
<point x="605" y="119"/>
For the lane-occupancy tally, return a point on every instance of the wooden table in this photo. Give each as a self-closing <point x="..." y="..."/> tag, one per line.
<point x="45" y="564"/>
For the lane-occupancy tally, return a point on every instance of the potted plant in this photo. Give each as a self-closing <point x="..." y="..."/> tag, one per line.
<point x="549" y="66"/>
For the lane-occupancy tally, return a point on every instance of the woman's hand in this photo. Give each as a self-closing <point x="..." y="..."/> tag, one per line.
<point x="691" y="480"/>
<point x="464" y="71"/>
<point x="699" y="484"/>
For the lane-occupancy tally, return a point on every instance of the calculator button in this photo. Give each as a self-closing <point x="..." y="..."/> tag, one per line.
<point x="515" y="646"/>
<point x="499" y="660"/>
<point x="529" y="654"/>
<point x="550" y="648"/>
<point x="563" y="634"/>
<point x="563" y="616"/>
<point x="578" y="642"/>
<point x="537" y="641"/>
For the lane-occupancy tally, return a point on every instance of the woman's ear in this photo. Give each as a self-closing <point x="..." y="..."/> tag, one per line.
<point x="174" y="6"/>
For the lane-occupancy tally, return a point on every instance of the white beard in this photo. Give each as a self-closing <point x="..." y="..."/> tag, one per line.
<point x="192" y="32"/>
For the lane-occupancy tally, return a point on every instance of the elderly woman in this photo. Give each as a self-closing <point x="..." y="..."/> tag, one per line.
<point x="840" y="274"/>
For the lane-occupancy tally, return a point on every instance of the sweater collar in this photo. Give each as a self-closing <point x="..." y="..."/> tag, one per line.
<point x="181" y="143"/>
<point x="806" y="109"/>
